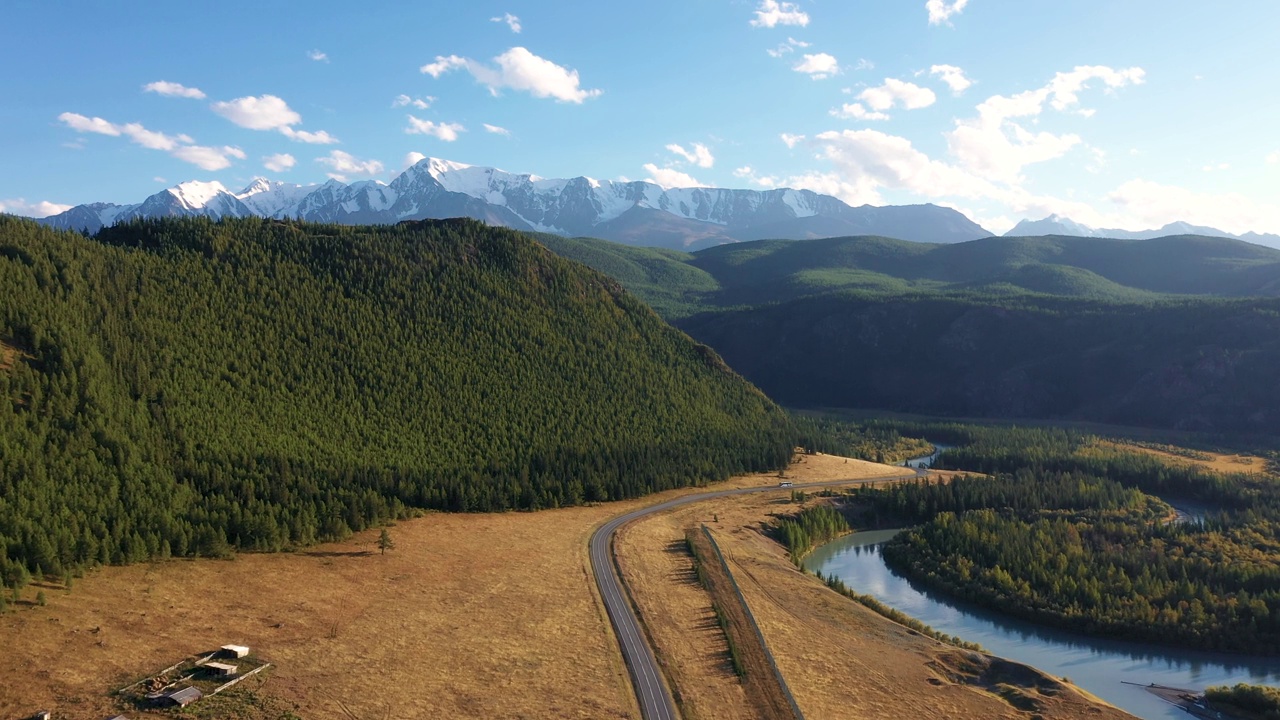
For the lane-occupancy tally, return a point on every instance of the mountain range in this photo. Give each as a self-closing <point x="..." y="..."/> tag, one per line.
<point x="1058" y="225"/>
<point x="636" y="213"/>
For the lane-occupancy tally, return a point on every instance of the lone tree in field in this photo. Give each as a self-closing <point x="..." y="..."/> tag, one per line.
<point x="385" y="542"/>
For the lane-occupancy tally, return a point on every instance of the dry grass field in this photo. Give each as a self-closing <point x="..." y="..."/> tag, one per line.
<point x="477" y="616"/>
<point x="492" y="615"/>
<point x="469" y="616"/>
<point x="1217" y="462"/>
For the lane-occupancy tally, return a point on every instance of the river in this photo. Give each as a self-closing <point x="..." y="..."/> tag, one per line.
<point x="1097" y="665"/>
<point x="927" y="461"/>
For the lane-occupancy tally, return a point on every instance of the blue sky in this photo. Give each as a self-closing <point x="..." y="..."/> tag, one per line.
<point x="1117" y="113"/>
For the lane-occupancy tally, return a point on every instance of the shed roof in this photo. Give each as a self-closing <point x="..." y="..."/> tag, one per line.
<point x="225" y="667"/>
<point x="238" y="650"/>
<point x="185" y="696"/>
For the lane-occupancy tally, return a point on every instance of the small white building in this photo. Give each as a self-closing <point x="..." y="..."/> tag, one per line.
<point x="221" y="669"/>
<point x="235" y="651"/>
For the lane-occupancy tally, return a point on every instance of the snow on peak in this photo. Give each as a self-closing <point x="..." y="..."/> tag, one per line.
<point x="273" y="198"/>
<point x="259" y="185"/>
<point x="438" y="168"/>
<point x="194" y="195"/>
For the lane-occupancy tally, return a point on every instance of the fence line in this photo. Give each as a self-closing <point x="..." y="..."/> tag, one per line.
<point x="751" y="618"/>
<point x="251" y="673"/>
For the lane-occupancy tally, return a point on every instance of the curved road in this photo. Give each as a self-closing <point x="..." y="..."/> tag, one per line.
<point x="655" y="700"/>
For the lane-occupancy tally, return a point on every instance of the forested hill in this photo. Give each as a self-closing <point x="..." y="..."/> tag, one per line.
<point x="1177" y="332"/>
<point x="770" y="271"/>
<point x="184" y="387"/>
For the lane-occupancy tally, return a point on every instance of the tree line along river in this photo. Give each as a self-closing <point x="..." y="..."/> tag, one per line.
<point x="1098" y="665"/>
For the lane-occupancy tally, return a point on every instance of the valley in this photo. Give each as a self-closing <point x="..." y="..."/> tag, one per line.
<point x="488" y="615"/>
<point x="516" y="380"/>
<point x="772" y="359"/>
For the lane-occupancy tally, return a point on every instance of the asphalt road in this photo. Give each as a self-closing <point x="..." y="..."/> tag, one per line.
<point x="655" y="699"/>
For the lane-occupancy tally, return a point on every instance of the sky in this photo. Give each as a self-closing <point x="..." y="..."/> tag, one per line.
<point x="1116" y="113"/>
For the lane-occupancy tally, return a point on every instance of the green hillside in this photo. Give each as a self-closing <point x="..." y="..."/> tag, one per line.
<point x="1176" y="332"/>
<point x="769" y="271"/>
<point x="1199" y="365"/>
<point x="185" y="387"/>
<point x="666" y="279"/>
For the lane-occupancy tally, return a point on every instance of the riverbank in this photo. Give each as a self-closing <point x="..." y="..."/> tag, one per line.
<point x="1097" y="665"/>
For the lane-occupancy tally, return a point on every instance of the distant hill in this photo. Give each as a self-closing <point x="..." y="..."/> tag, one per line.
<point x="1057" y="225"/>
<point x="183" y="387"/>
<point x="770" y="271"/>
<point x="633" y="212"/>
<point x="1201" y="365"/>
<point x="1173" y="332"/>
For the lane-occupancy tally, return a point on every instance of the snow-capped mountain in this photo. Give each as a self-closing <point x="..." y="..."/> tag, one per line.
<point x="637" y="213"/>
<point x="1057" y="225"/>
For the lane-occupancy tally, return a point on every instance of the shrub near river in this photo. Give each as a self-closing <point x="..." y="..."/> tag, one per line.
<point x="1062" y="535"/>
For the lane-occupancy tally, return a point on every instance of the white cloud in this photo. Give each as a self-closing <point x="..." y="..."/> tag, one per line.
<point x="181" y="147"/>
<point x="856" y="111"/>
<point x="321" y="137"/>
<point x="995" y="146"/>
<point x="447" y="132"/>
<point x="344" y="164"/>
<point x="134" y="131"/>
<point x="151" y="139"/>
<point x="669" y="177"/>
<point x="865" y="161"/>
<point x="172" y="89"/>
<point x="772" y="13"/>
<point x="1151" y="204"/>
<point x="208" y="158"/>
<point x="267" y="112"/>
<point x="1098" y="160"/>
<point x="512" y="22"/>
<point x="1274" y="158"/>
<point x="953" y="76"/>
<point x="420" y="103"/>
<point x="700" y="155"/>
<point x="859" y="191"/>
<point x="854" y="193"/>
<point x="748" y="173"/>
<point x="1064" y="88"/>
<point x="496" y="130"/>
<point x="791" y="140"/>
<point x="413" y="158"/>
<point x="444" y="64"/>
<point x="897" y="92"/>
<point x="279" y="162"/>
<point x="818" y="66"/>
<point x="318" y="56"/>
<point x="44" y="208"/>
<point x="787" y="47"/>
<point x="1218" y="167"/>
<point x="940" y="11"/>
<point x="518" y="69"/>
<point x="876" y="159"/>
<point x="159" y="179"/>
<point x="80" y="123"/>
